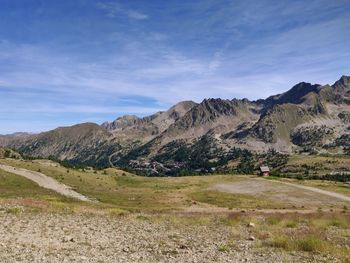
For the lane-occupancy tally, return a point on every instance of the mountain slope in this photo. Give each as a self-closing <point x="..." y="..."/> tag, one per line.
<point x="131" y="129"/>
<point x="86" y="143"/>
<point x="8" y="153"/>
<point x="294" y="95"/>
<point x="306" y="118"/>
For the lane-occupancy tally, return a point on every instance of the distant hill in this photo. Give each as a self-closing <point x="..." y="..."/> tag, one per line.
<point x="86" y="143"/>
<point x="8" y="153"/>
<point x="309" y="118"/>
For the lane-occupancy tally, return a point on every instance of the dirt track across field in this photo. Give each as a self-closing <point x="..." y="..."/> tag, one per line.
<point x="286" y="192"/>
<point x="45" y="182"/>
<point x="320" y="191"/>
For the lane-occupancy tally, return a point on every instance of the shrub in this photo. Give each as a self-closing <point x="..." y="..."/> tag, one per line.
<point x="280" y="242"/>
<point x="310" y="244"/>
<point x="223" y="248"/>
<point x="291" y="224"/>
<point x="14" y="210"/>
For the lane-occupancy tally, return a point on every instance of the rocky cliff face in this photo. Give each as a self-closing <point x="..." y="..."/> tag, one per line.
<point x="308" y="117"/>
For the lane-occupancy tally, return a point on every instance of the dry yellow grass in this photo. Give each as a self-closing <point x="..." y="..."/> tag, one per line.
<point x="163" y="200"/>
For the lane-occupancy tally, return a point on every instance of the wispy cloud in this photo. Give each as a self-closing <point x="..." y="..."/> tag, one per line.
<point x="48" y="108"/>
<point x="193" y="50"/>
<point x="114" y="9"/>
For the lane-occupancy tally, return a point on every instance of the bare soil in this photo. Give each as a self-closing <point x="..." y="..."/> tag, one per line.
<point x="45" y="181"/>
<point x="288" y="193"/>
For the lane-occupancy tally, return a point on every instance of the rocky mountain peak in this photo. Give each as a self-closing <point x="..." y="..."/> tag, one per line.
<point x="343" y="82"/>
<point x="294" y="95"/>
<point x="180" y="109"/>
<point x="183" y="105"/>
<point x="217" y="107"/>
<point x="121" y="122"/>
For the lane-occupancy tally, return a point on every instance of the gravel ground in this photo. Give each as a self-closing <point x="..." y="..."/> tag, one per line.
<point x="44" y="237"/>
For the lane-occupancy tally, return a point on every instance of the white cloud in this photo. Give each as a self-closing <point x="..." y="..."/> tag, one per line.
<point x="136" y="15"/>
<point x="47" y="108"/>
<point x="114" y="9"/>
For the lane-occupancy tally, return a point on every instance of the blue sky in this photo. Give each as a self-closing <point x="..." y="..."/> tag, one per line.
<point x="65" y="62"/>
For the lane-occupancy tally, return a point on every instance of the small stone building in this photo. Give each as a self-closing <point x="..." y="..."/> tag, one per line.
<point x="264" y="171"/>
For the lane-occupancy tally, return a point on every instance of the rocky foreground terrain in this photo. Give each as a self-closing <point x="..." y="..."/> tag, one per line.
<point x="44" y="237"/>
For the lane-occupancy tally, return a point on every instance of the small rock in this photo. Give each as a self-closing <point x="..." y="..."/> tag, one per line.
<point x="183" y="247"/>
<point x="251" y="238"/>
<point x="68" y="239"/>
<point x="251" y="224"/>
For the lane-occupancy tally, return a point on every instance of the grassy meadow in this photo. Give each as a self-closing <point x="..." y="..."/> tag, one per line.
<point x="186" y="201"/>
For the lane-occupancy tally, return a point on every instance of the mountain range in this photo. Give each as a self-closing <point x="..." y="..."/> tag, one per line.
<point x="308" y="119"/>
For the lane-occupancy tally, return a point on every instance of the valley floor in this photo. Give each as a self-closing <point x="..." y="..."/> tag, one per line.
<point x="220" y="218"/>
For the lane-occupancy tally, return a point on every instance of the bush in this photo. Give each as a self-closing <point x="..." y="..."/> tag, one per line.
<point x="280" y="242"/>
<point x="291" y="224"/>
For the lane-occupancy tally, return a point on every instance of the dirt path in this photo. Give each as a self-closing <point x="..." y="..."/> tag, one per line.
<point x="284" y="193"/>
<point x="320" y="191"/>
<point x="110" y="159"/>
<point x="45" y="182"/>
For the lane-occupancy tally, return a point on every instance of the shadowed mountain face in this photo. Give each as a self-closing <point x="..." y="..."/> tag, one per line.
<point x="308" y="118"/>
<point x="294" y="95"/>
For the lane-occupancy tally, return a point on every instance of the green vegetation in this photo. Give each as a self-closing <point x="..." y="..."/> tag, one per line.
<point x="229" y="200"/>
<point x="312" y="136"/>
<point x="344" y="141"/>
<point x="313" y="233"/>
<point x="121" y="189"/>
<point x="201" y="156"/>
<point x="8" y="153"/>
<point x="308" y="244"/>
<point x="316" y="167"/>
<point x="179" y="158"/>
<point x="169" y="200"/>
<point x="16" y="186"/>
<point x="308" y="234"/>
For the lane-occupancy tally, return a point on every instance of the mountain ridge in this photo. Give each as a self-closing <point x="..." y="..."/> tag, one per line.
<point x="289" y="122"/>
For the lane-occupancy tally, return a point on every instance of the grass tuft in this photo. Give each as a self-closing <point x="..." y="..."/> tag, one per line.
<point x="310" y="244"/>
